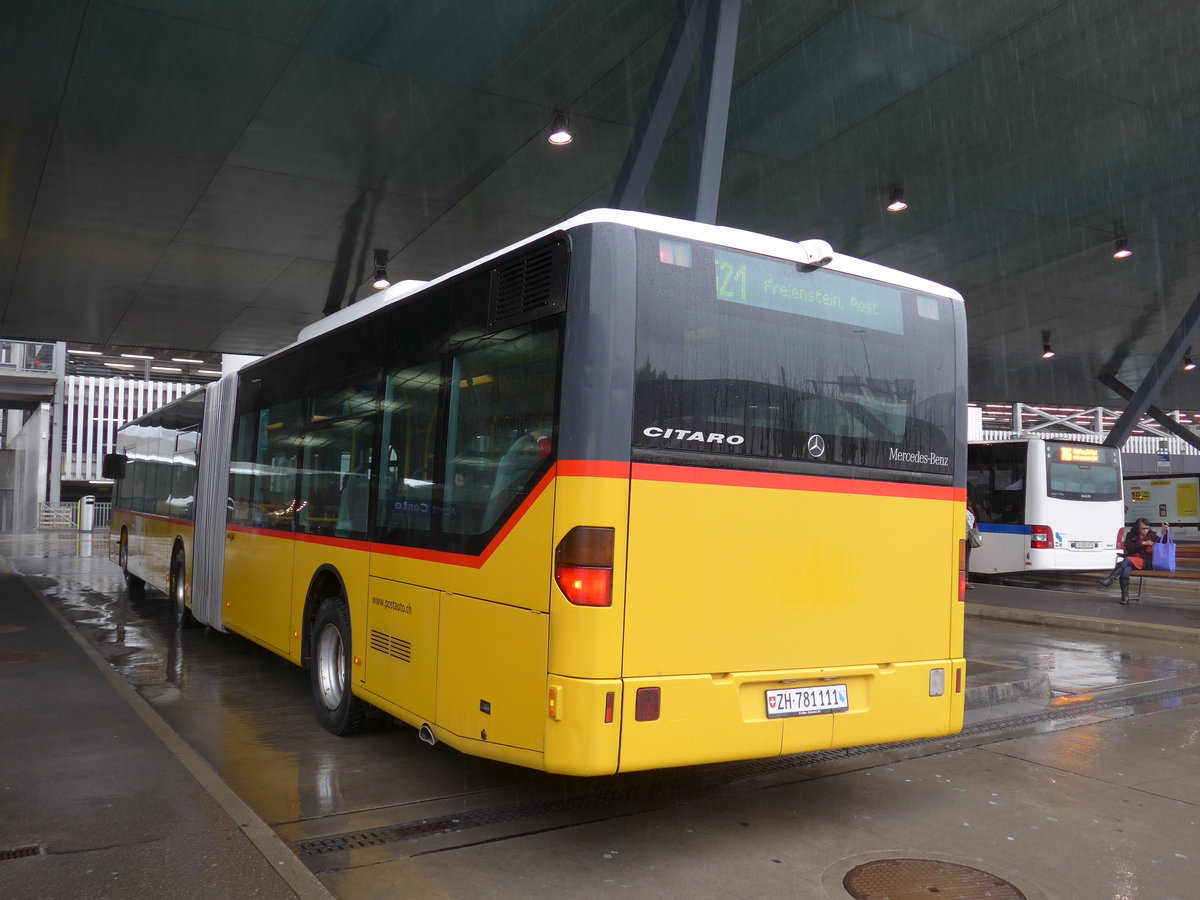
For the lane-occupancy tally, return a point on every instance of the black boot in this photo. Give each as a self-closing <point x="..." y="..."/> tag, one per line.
<point x="1125" y="593"/>
<point x="1112" y="576"/>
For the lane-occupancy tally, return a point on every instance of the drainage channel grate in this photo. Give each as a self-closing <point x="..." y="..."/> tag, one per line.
<point x="338" y="843"/>
<point x="671" y="781"/>
<point x="20" y="853"/>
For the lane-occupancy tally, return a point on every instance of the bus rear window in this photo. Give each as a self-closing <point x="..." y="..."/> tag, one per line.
<point x="1082" y="472"/>
<point x="751" y="356"/>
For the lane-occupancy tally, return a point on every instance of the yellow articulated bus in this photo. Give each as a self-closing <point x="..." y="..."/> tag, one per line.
<point x="633" y="493"/>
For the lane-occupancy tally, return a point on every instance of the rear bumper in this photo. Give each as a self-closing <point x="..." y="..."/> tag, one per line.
<point x="721" y="718"/>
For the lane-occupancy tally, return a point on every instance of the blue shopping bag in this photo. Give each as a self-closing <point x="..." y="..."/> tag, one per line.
<point x="1163" y="553"/>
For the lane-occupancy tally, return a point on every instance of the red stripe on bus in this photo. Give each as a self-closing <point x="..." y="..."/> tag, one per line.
<point x="593" y="468"/>
<point x="777" y="481"/>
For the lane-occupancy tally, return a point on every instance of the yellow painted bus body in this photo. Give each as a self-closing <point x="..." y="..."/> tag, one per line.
<point x="149" y="542"/>
<point x="721" y="592"/>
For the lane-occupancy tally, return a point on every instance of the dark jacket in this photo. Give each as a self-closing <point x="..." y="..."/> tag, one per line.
<point x="1134" y="545"/>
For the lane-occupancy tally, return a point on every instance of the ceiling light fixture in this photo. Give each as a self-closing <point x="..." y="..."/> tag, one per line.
<point x="1047" y="350"/>
<point x="135" y="356"/>
<point x="1188" y="365"/>
<point x="86" y="352"/>
<point x="897" y="203"/>
<point x="559" y="133"/>
<point x="381" y="276"/>
<point x="1121" y="249"/>
<point x="185" y="359"/>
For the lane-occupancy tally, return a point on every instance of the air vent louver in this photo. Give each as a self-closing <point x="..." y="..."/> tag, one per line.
<point x="391" y="646"/>
<point x="528" y="287"/>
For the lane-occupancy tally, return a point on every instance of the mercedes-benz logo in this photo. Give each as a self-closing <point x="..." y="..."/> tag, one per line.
<point x="816" y="446"/>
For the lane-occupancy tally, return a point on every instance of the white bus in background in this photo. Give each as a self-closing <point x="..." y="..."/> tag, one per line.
<point x="1045" y="505"/>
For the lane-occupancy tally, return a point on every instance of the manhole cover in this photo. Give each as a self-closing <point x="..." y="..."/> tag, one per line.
<point x="22" y="656"/>
<point x="908" y="879"/>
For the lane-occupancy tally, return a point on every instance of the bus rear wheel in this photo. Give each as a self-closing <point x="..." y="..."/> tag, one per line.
<point x="133" y="584"/>
<point x="183" y="615"/>
<point x="338" y="710"/>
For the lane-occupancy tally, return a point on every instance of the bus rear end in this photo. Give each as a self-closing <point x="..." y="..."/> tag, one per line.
<point x="1075" y="506"/>
<point x="789" y="526"/>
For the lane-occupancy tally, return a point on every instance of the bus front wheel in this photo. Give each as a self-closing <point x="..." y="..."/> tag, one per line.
<point x="338" y="710"/>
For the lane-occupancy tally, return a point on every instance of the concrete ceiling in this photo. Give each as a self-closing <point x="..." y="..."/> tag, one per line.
<point x="207" y="174"/>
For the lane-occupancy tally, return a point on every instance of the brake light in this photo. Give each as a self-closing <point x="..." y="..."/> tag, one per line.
<point x="647" y="704"/>
<point x="583" y="565"/>
<point x="1041" y="537"/>
<point x="1120" y="537"/>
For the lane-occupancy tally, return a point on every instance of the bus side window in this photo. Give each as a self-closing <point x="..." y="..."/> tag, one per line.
<point x="335" y="477"/>
<point x="408" y="442"/>
<point x="503" y="390"/>
<point x="264" y="466"/>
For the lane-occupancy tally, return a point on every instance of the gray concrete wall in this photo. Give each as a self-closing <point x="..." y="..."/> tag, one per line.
<point x="29" y="468"/>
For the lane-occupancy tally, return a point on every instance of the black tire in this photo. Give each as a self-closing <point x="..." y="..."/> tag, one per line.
<point x="133" y="584"/>
<point x="178" y="586"/>
<point x="338" y="710"/>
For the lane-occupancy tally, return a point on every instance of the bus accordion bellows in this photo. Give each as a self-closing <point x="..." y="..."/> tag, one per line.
<point x="1045" y="505"/>
<point x="635" y="492"/>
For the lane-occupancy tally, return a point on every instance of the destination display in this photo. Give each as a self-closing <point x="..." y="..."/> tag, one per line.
<point x="819" y="294"/>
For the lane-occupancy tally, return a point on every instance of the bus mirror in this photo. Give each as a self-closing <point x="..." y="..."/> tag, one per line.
<point x="113" y="466"/>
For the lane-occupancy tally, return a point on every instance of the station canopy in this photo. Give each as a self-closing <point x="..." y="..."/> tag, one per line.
<point x="213" y="174"/>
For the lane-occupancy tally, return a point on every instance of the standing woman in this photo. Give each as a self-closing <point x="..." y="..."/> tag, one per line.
<point x="1139" y="543"/>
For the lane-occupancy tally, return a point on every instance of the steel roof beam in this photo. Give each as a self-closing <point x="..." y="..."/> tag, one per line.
<point x="1160" y="416"/>
<point x="1163" y="367"/>
<point x="712" y="111"/>
<point x="665" y="91"/>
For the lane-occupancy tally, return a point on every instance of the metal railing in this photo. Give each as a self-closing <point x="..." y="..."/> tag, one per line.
<point x="58" y="515"/>
<point x="52" y="516"/>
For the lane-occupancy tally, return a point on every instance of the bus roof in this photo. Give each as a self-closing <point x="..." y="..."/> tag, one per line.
<point x="722" y="235"/>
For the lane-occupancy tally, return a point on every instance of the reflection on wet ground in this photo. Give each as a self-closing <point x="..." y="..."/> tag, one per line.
<point x="1078" y="664"/>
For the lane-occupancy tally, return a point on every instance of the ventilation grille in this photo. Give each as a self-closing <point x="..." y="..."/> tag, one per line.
<point x="391" y="646"/>
<point x="528" y="287"/>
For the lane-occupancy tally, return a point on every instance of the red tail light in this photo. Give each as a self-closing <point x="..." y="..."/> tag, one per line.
<point x="647" y="704"/>
<point x="583" y="565"/>
<point x="1041" y="537"/>
<point x="1120" y="537"/>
